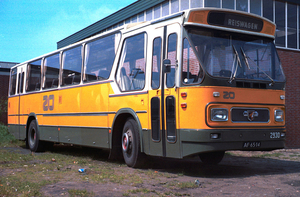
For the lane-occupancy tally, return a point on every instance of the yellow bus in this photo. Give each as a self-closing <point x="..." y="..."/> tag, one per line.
<point x="200" y="82"/>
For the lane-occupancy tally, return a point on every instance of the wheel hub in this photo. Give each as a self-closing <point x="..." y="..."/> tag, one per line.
<point x="125" y="142"/>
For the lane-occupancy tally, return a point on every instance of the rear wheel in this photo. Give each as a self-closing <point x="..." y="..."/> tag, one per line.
<point x="212" y="158"/>
<point x="131" y="147"/>
<point x="33" y="138"/>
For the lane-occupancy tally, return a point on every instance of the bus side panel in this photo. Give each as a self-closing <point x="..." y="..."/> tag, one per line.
<point x="69" y="119"/>
<point x="83" y="115"/>
<point x="23" y="117"/>
<point x="94" y="109"/>
<point x="13" y="115"/>
<point x="137" y="102"/>
<point x="48" y="123"/>
<point x="30" y="103"/>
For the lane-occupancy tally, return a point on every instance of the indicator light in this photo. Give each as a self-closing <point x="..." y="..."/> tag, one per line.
<point x="183" y="94"/>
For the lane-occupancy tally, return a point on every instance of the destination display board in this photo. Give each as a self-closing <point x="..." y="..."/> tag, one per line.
<point x="233" y="20"/>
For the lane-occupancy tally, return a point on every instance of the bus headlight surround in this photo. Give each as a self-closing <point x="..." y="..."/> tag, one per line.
<point x="279" y="115"/>
<point x="219" y="114"/>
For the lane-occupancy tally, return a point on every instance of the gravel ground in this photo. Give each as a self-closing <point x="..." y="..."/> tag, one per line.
<point x="275" y="173"/>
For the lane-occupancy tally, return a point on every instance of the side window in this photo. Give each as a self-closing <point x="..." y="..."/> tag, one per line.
<point x="13" y="81"/>
<point x="21" y="83"/>
<point x="156" y="58"/>
<point x="51" y="71"/>
<point x="191" y="70"/>
<point x="132" y="64"/>
<point x="172" y="52"/>
<point x="33" y="80"/>
<point x="71" y="64"/>
<point x="99" y="58"/>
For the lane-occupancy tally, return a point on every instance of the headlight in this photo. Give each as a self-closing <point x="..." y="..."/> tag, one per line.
<point x="219" y="114"/>
<point x="279" y="115"/>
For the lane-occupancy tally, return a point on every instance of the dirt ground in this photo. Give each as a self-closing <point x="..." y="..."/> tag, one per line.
<point x="275" y="173"/>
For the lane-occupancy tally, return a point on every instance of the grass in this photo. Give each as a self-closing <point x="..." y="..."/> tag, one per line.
<point x="5" y="137"/>
<point x="27" y="174"/>
<point x="23" y="173"/>
<point x="81" y="193"/>
<point x="270" y="155"/>
<point x="260" y="154"/>
<point x="181" y="185"/>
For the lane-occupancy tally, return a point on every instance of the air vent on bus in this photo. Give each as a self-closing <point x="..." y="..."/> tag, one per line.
<point x="241" y="84"/>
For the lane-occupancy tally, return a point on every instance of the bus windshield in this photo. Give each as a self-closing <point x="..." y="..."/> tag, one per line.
<point x="237" y="56"/>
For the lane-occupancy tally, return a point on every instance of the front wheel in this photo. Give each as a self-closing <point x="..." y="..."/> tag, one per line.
<point x="33" y="138"/>
<point x="131" y="147"/>
<point x="212" y="158"/>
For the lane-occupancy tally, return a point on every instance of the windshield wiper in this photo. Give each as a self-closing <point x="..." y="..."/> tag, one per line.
<point x="247" y="63"/>
<point x="245" y="58"/>
<point x="236" y="61"/>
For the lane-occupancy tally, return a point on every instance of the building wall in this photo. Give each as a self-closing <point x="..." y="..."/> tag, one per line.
<point x="290" y="61"/>
<point x="4" y="84"/>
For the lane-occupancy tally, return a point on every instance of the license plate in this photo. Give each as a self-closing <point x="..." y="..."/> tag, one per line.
<point x="274" y="135"/>
<point x="251" y="144"/>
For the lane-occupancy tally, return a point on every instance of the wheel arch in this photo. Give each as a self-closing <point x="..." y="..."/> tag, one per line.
<point x="31" y="117"/>
<point x="117" y="128"/>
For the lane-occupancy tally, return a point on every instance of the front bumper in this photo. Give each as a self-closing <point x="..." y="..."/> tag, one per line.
<point x="198" y="141"/>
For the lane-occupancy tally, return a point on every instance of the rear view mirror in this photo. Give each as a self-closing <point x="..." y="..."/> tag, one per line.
<point x="167" y="66"/>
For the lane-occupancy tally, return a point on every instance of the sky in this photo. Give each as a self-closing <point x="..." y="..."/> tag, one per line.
<point x="31" y="28"/>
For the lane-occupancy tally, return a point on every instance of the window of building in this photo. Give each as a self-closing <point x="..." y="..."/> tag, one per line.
<point x="33" y="80"/>
<point x="134" y="19"/>
<point x="174" y="6"/>
<point x="127" y="21"/>
<point x="184" y="4"/>
<point x="268" y="9"/>
<point x="157" y="12"/>
<point x="51" y="71"/>
<point x="292" y="25"/>
<point x="255" y="7"/>
<point x="71" y="66"/>
<point x="280" y="23"/>
<point x="99" y="58"/>
<point x="242" y="5"/>
<point x="141" y="17"/>
<point x="120" y="24"/>
<point x="165" y="8"/>
<point x="196" y="4"/>
<point x="212" y="3"/>
<point x="149" y="15"/>
<point x="228" y="4"/>
<point x="132" y="64"/>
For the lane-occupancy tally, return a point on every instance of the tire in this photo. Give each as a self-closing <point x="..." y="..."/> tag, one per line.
<point x="33" y="138"/>
<point x="212" y="158"/>
<point x="131" y="147"/>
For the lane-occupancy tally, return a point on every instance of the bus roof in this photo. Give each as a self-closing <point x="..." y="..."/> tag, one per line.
<point x="205" y="17"/>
